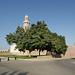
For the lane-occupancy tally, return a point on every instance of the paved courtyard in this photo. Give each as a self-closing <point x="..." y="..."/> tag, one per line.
<point x="38" y="67"/>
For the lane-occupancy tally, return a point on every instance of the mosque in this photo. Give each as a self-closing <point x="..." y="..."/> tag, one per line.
<point x="70" y="53"/>
<point x="12" y="48"/>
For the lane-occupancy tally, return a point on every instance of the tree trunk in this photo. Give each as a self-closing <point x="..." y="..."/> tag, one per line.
<point x="39" y="52"/>
<point x="51" y="52"/>
<point x="46" y="52"/>
<point x="29" y="53"/>
<point x="20" y="52"/>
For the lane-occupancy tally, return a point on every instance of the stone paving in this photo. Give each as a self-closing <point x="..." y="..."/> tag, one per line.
<point x="38" y="67"/>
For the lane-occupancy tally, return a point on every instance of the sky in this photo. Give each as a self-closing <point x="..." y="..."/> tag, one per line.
<point x="59" y="15"/>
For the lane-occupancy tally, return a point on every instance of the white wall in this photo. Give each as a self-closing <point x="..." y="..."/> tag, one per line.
<point x="12" y="48"/>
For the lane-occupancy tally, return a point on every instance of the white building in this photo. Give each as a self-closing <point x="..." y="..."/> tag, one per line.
<point x="12" y="48"/>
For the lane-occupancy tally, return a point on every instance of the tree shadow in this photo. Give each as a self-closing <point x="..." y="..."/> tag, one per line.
<point x="73" y="58"/>
<point x="57" y="56"/>
<point x="14" y="73"/>
<point x="53" y="54"/>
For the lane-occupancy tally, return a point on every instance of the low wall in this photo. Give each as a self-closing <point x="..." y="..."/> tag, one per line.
<point x="70" y="53"/>
<point x="4" y="50"/>
<point x="32" y="53"/>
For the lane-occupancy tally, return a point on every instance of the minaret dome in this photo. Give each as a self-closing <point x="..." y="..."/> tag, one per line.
<point x="26" y="17"/>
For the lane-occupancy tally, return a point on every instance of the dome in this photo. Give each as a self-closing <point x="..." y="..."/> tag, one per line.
<point x="26" y="15"/>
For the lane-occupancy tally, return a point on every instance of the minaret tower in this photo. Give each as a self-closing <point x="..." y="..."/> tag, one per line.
<point x="26" y="23"/>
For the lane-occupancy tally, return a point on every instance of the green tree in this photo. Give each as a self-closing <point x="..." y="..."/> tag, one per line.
<point x="37" y="37"/>
<point x="40" y="36"/>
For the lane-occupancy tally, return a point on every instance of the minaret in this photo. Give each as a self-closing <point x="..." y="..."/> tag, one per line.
<point x="26" y="23"/>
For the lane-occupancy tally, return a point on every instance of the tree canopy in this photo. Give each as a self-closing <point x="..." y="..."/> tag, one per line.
<point x="37" y="37"/>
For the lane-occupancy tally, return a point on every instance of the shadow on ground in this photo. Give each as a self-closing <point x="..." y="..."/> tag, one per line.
<point x="14" y="73"/>
<point x="72" y="58"/>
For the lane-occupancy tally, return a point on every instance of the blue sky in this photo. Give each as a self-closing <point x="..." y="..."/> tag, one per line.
<point x="59" y="15"/>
